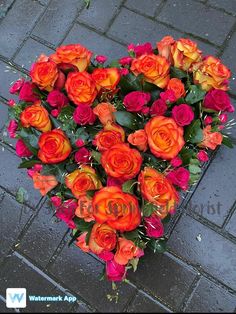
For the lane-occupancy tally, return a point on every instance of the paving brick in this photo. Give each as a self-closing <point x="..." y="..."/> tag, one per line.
<point x="57" y="20"/>
<point x="4" y="7"/>
<point x="210" y="298"/>
<point x="96" y="16"/>
<point x="3" y="308"/>
<point x="165" y="277"/>
<point x="43" y="237"/>
<point x="30" y="51"/>
<point x="3" y="115"/>
<point x="131" y="27"/>
<point x="11" y="178"/>
<point x="17" y="24"/>
<point x="231" y="225"/>
<point x="143" y="303"/>
<point x="13" y="217"/>
<point x="213" y="253"/>
<point x="215" y="195"/>
<point x="182" y="14"/>
<point x="147" y="7"/>
<point x="81" y="272"/>
<point x="96" y="43"/>
<point x="18" y="272"/>
<point x="228" y="5"/>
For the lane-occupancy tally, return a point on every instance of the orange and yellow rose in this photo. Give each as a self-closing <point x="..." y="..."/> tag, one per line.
<point x="155" y="68"/>
<point x="165" y="137"/>
<point x="81" y="88"/>
<point x="126" y="250"/>
<point x="54" y="147"/>
<point x="44" y="74"/>
<point x="36" y="116"/>
<point x="177" y="87"/>
<point x="164" y="47"/>
<point x="102" y="238"/>
<point x="121" y="162"/>
<point x="157" y="189"/>
<point x="44" y="183"/>
<point x="105" y="139"/>
<point x="105" y="112"/>
<point x="211" y="73"/>
<point x="73" y="54"/>
<point x="139" y="139"/>
<point x="81" y="242"/>
<point x="82" y="180"/>
<point x="106" y="78"/>
<point x="84" y="208"/>
<point x="211" y="139"/>
<point x="117" y="209"/>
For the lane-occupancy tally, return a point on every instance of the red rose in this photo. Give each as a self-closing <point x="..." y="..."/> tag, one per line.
<point x="142" y="49"/>
<point x="125" y="61"/>
<point x="82" y="155"/>
<point x="218" y="100"/>
<point x="27" y="92"/>
<point x="83" y="115"/>
<point x="12" y="127"/>
<point x="114" y="271"/>
<point x="57" y="99"/>
<point x="158" y="108"/>
<point x="15" y="88"/>
<point x="22" y="150"/>
<point x="202" y="156"/>
<point x="183" y="114"/>
<point x="101" y="59"/>
<point x="136" y="101"/>
<point x="168" y="96"/>
<point x="176" y="162"/>
<point x="179" y="177"/>
<point x="66" y="212"/>
<point x="154" y="226"/>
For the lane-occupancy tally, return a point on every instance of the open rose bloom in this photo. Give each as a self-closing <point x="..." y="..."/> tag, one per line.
<point x="112" y="147"/>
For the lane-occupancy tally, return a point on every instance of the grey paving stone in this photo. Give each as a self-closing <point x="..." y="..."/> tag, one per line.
<point x="13" y="217"/>
<point x="18" y="272"/>
<point x="96" y="43"/>
<point x="43" y="237"/>
<point x="210" y="298"/>
<point x="215" y="194"/>
<point x="131" y="27"/>
<point x="4" y="7"/>
<point x="56" y="20"/>
<point x="30" y="51"/>
<point x="182" y="14"/>
<point x="148" y="6"/>
<point x="143" y="303"/>
<point x="165" y="277"/>
<point x="228" y="5"/>
<point x="3" y="308"/>
<point x="11" y="178"/>
<point x="14" y="29"/>
<point x="97" y="16"/>
<point x="81" y="272"/>
<point x="214" y="254"/>
<point x="231" y="225"/>
<point x="3" y="115"/>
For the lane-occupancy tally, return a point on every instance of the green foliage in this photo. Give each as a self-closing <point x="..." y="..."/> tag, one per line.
<point x="28" y="163"/>
<point x="30" y="137"/>
<point x="193" y="132"/>
<point x="21" y="195"/>
<point x="186" y="154"/>
<point x="96" y="155"/>
<point x="195" y="94"/>
<point x="126" y="119"/>
<point x="57" y="170"/>
<point x="177" y="73"/>
<point x="130" y="82"/>
<point x="128" y="186"/>
<point x="227" y="141"/>
<point x="82" y="225"/>
<point x="158" y="246"/>
<point x="148" y="209"/>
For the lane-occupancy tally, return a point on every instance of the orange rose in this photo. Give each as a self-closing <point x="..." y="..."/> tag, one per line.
<point x="110" y="126"/>
<point x="157" y="189"/>
<point x="139" y="139"/>
<point x="104" y="111"/>
<point x="106" y="78"/>
<point x="122" y="162"/>
<point x="155" y="69"/>
<point x="102" y="238"/>
<point x="126" y="250"/>
<point x="81" y="88"/>
<point x="177" y="87"/>
<point x="211" y="139"/>
<point x="54" y="147"/>
<point x="44" y="183"/>
<point x="211" y="73"/>
<point x="184" y="53"/>
<point x="104" y="140"/>
<point x="81" y="242"/>
<point x="165" y="137"/>
<point x="118" y="209"/>
<point x="82" y="180"/>
<point x="164" y="47"/>
<point x="36" y="116"/>
<point x="84" y="209"/>
<point x="73" y="54"/>
<point x="44" y="74"/>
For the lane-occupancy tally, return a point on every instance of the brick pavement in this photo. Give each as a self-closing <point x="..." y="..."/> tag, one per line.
<point x="198" y="273"/>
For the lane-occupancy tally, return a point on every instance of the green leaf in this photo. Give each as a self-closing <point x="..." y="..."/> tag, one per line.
<point x="21" y="195"/>
<point x="175" y="72"/>
<point x="28" y="163"/>
<point x="87" y="3"/>
<point x="227" y="142"/>
<point x="158" y="246"/>
<point x="66" y="113"/>
<point x="115" y="64"/>
<point x="131" y="235"/>
<point x="166" y="219"/>
<point x="194" y="178"/>
<point x="75" y="234"/>
<point x="58" y="170"/>
<point x="126" y="119"/>
<point x="90" y="193"/>
<point x="194" y="132"/>
<point x="128" y="186"/>
<point x="148" y="209"/>
<point x="134" y="263"/>
<point x="30" y="139"/>
<point x="130" y="82"/>
<point x="82" y="225"/>
<point x="195" y="94"/>
<point x="186" y="154"/>
<point x="194" y="169"/>
<point x="149" y="87"/>
<point x="96" y="155"/>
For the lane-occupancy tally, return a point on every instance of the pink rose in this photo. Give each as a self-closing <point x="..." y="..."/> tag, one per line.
<point x="82" y="155"/>
<point x="66" y="212"/>
<point x="154" y="226"/>
<point x="123" y="71"/>
<point x="218" y="100"/>
<point x="208" y="120"/>
<point x="56" y="201"/>
<point x="176" y="162"/>
<point x="125" y="61"/>
<point x="60" y="82"/>
<point x="27" y="93"/>
<point x="84" y="114"/>
<point x="15" y="88"/>
<point x="223" y="118"/>
<point x="55" y="113"/>
<point x="136" y="101"/>
<point x="179" y="177"/>
<point x="101" y="59"/>
<point x="79" y="143"/>
<point x="106" y="256"/>
<point x="142" y="49"/>
<point x="11" y="103"/>
<point x="168" y="96"/>
<point x="36" y="168"/>
<point x="57" y="99"/>
<point x="12" y="127"/>
<point x="22" y="150"/>
<point x="114" y="182"/>
<point x="114" y="271"/>
<point x="158" y="108"/>
<point x="183" y="114"/>
<point x="202" y="156"/>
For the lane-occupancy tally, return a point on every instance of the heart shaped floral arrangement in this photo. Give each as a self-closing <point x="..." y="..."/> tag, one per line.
<point x="112" y="145"/>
